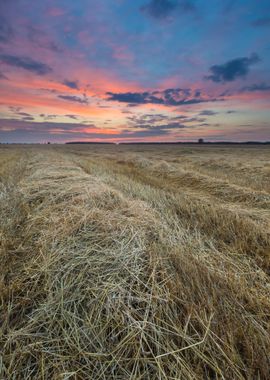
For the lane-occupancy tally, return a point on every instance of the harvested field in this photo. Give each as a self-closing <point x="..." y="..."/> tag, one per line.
<point x="134" y="262"/>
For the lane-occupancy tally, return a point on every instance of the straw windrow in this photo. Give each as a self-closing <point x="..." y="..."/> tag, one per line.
<point x="110" y="274"/>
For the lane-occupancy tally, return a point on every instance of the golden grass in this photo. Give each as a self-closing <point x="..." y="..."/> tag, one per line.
<point x="134" y="262"/>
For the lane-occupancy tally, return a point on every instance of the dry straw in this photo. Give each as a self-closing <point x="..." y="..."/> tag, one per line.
<point x="119" y="266"/>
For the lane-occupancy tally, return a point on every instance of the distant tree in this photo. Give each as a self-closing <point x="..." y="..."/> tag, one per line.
<point x="200" y="141"/>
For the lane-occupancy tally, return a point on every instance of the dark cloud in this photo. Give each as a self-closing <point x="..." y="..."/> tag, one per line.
<point x="193" y="119"/>
<point x="148" y="130"/>
<point x="158" y="124"/>
<point x="25" y="63"/>
<point x="159" y="119"/>
<point x="134" y="97"/>
<point x="12" y="129"/>
<point x="232" y="70"/>
<point x="74" y="117"/>
<point x="28" y="118"/>
<point x="161" y="127"/>
<point x="147" y="118"/>
<point x="256" y="87"/>
<point x="132" y="105"/>
<point x="162" y="9"/>
<point x="179" y="117"/>
<point x="48" y="116"/>
<point x="169" y="97"/>
<point x="73" y="98"/>
<point x="71" y="84"/>
<point x="44" y="126"/>
<point x="204" y="125"/>
<point x="23" y="115"/>
<point x="260" y="22"/>
<point x="208" y="113"/>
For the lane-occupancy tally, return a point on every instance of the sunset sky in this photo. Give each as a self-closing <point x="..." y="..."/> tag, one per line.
<point x="141" y="70"/>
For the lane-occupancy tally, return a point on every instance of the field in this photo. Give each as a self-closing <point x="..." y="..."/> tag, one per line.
<point x="134" y="262"/>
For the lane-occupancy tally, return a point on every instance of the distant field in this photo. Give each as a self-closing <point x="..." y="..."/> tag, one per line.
<point x="134" y="262"/>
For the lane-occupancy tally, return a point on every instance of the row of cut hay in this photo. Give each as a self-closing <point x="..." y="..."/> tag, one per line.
<point x="98" y="298"/>
<point x="222" y="190"/>
<point x="234" y="232"/>
<point x="116" y="286"/>
<point x="209" y="276"/>
<point x="236" y="167"/>
<point x="241" y="230"/>
<point x="175" y="176"/>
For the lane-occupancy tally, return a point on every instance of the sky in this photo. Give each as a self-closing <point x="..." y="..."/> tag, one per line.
<point x="141" y="70"/>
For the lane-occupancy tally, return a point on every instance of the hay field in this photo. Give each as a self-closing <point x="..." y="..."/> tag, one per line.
<point x="134" y="262"/>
